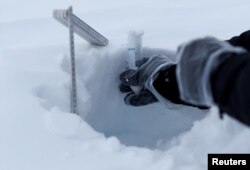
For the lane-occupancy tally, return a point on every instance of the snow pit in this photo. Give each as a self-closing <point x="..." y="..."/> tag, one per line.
<point x="101" y="104"/>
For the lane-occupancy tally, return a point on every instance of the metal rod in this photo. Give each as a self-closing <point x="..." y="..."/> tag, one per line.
<point x="81" y="28"/>
<point x="73" y="67"/>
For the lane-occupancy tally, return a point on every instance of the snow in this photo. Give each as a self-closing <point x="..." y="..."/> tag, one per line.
<point x="38" y="132"/>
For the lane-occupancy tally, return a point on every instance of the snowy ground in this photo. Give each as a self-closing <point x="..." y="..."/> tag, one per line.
<point x="38" y="132"/>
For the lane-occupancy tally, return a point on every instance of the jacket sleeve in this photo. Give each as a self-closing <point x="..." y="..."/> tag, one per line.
<point x="231" y="85"/>
<point x="211" y="71"/>
<point x="231" y="82"/>
<point x="243" y="40"/>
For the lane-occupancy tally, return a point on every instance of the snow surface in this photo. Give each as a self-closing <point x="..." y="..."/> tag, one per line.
<point x="38" y="132"/>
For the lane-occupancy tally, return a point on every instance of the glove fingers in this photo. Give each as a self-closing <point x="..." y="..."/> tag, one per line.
<point x="144" y="98"/>
<point x="129" y="78"/>
<point x="124" y="88"/>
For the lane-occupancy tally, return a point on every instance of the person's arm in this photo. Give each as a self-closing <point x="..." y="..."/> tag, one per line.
<point x="231" y="87"/>
<point x="243" y="40"/>
<point x="211" y="71"/>
<point x="208" y="71"/>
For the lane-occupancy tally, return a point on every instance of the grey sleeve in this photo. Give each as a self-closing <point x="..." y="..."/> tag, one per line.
<point x="196" y="62"/>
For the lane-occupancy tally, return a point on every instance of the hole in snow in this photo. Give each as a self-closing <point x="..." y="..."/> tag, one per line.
<point x="101" y="104"/>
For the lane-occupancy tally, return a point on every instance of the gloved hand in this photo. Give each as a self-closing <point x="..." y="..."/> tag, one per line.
<point x="144" y="77"/>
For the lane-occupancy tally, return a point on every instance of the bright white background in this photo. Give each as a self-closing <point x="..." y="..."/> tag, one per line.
<point x="36" y="130"/>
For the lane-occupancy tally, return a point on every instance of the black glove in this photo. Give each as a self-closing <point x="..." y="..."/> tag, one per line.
<point x="144" y="77"/>
<point x="157" y="78"/>
<point x="166" y="84"/>
<point x="143" y="98"/>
